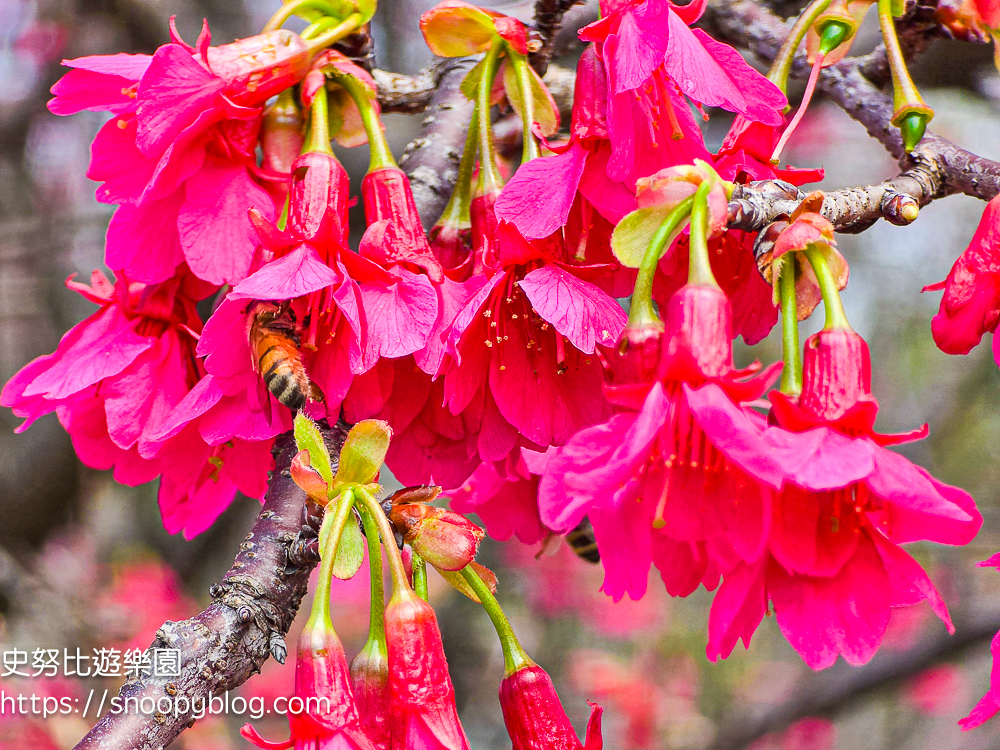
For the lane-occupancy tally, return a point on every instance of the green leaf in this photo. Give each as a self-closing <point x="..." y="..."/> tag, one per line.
<point x="634" y="234"/>
<point x="470" y="84"/>
<point x="363" y="453"/>
<point x="350" y="551"/>
<point x="457" y="580"/>
<point x="308" y="437"/>
<point x="367" y="9"/>
<point x="458" y="30"/>
<point x="544" y="108"/>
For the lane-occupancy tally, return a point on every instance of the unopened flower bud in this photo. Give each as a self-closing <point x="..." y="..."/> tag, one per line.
<point x="370" y="680"/>
<point x="281" y="135"/>
<point x="320" y="191"/>
<point x="421" y="694"/>
<point x="535" y="718"/>
<point x="444" y="539"/>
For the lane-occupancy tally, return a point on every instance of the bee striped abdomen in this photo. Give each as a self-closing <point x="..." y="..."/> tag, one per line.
<point x="281" y="367"/>
<point x="274" y="342"/>
<point x="582" y="541"/>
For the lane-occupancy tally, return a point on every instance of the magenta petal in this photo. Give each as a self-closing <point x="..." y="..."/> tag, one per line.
<point x="623" y="532"/>
<point x="820" y="458"/>
<point x="844" y="614"/>
<point x="205" y="394"/>
<point x="142" y="241"/>
<point x="115" y="161"/>
<point x="550" y="182"/>
<point x="906" y="574"/>
<point x="597" y="462"/>
<point x="216" y="235"/>
<point x="921" y="507"/>
<point x="101" y="346"/>
<point x="579" y="310"/>
<point x="400" y="315"/>
<point x="738" y="608"/>
<point x="611" y="199"/>
<point x="682" y="565"/>
<point x="989" y="704"/>
<point x="174" y="91"/>
<point x="97" y="83"/>
<point x="295" y="275"/>
<point x="643" y="39"/>
<point x="715" y="74"/>
<point x="453" y="295"/>
<point x="731" y="431"/>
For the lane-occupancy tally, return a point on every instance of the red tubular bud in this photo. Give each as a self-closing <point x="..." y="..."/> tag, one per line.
<point x="370" y="680"/>
<point x="535" y="718"/>
<point x="320" y="192"/>
<point x="258" y="67"/>
<point x="698" y="334"/>
<point x="444" y="539"/>
<point x="281" y="135"/>
<point x="836" y="373"/>
<point x="421" y="695"/>
<point x="387" y="196"/>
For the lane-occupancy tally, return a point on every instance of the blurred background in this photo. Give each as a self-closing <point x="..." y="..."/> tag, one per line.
<point x="85" y="562"/>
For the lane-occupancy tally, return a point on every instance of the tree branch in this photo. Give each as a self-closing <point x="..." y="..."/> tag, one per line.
<point x="227" y="643"/>
<point x="548" y="20"/>
<point x="953" y="169"/>
<point x="825" y="693"/>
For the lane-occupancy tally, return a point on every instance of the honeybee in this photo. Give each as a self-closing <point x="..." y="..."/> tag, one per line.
<point x="580" y="539"/>
<point x="583" y="542"/>
<point x="274" y="344"/>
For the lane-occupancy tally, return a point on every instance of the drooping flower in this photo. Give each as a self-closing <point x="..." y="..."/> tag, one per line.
<point x="653" y="60"/>
<point x="529" y="338"/>
<point x="116" y="376"/>
<point x="534" y="715"/>
<point x="422" y="698"/>
<point x="833" y="565"/>
<point x="970" y="306"/>
<point x="661" y="482"/>
<point x="179" y="154"/>
<point x="322" y="682"/>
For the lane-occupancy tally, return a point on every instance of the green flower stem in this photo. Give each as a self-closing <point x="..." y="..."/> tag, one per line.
<point x="400" y="581"/>
<point x="782" y="65"/>
<point x="836" y="319"/>
<point x="457" y="210"/>
<point x="376" y="620"/>
<point x="489" y="180"/>
<point x="699" y="267"/>
<point x="906" y="98"/>
<point x="297" y="6"/>
<point x="378" y="147"/>
<point x="791" y="373"/>
<point x="334" y="520"/>
<point x="313" y="30"/>
<point x="318" y="139"/>
<point x="345" y="28"/>
<point x="641" y="308"/>
<point x="514" y="657"/>
<point x="419" y="575"/>
<point x="529" y="148"/>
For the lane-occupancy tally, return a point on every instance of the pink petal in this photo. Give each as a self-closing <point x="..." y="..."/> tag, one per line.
<point x="142" y="241"/>
<point x="738" y="608"/>
<point x="921" y="508"/>
<point x="715" y="74"/>
<point x="116" y="162"/>
<point x="821" y="458"/>
<point x="597" y="462"/>
<point x="989" y="704"/>
<point x="611" y="199"/>
<point x="400" y="315"/>
<point x="906" y="575"/>
<point x="642" y="40"/>
<point x="173" y="93"/>
<point x="846" y="614"/>
<point x="551" y="182"/>
<point x="508" y="506"/>
<point x="216" y="235"/>
<point x="101" y="346"/>
<point x="294" y="275"/>
<point x="453" y="296"/>
<point x="579" y="310"/>
<point x="203" y="396"/>
<point x="623" y="532"/>
<point x="682" y="565"/>
<point x="96" y="83"/>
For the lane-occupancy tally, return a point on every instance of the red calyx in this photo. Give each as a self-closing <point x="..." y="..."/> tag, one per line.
<point x="320" y="191"/>
<point x="258" y="67"/>
<point x="535" y="718"/>
<point x="698" y="335"/>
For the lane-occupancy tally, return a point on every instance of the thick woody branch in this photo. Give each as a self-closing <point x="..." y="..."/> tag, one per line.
<point x="825" y="693"/>
<point x="408" y="94"/>
<point x="223" y="646"/>
<point x="748" y="24"/>
<point x="548" y="20"/>
<point x="431" y="159"/>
